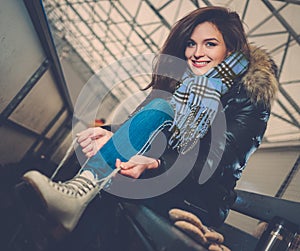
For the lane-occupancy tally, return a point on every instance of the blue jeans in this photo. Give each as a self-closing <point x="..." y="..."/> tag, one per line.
<point x="133" y="137"/>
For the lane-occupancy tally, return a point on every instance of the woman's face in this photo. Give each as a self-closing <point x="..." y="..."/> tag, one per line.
<point x="205" y="49"/>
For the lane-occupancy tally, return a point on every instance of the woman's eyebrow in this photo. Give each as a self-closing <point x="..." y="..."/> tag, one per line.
<point x="210" y="39"/>
<point x="206" y="39"/>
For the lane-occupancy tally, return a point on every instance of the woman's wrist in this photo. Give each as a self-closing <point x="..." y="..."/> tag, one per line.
<point x="155" y="163"/>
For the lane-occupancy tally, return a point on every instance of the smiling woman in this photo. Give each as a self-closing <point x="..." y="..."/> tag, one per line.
<point x="210" y="99"/>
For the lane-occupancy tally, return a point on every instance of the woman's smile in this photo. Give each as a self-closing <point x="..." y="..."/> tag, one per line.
<point x="200" y="64"/>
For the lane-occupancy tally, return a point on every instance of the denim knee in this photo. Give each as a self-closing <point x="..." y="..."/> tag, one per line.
<point x="160" y="105"/>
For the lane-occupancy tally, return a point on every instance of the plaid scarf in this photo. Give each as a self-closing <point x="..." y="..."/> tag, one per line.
<point x="196" y="100"/>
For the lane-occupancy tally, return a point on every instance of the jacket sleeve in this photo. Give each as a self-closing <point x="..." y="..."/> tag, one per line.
<point x="246" y="125"/>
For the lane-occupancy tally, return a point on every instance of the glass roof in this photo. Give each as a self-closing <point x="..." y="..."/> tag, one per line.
<point x="95" y="34"/>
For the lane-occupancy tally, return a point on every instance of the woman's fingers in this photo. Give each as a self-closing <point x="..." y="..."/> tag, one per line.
<point x="133" y="172"/>
<point x="131" y="169"/>
<point x="89" y="146"/>
<point x="118" y="163"/>
<point x="92" y="139"/>
<point x="135" y="166"/>
<point x="90" y="151"/>
<point x="85" y="134"/>
<point x="124" y="165"/>
<point x="90" y="133"/>
<point x="86" y="142"/>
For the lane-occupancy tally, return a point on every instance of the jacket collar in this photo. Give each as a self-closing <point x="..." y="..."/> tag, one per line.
<point x="260" y="81"/>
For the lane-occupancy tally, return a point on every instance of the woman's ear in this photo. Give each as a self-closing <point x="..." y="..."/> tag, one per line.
<point x="229" y="53"/>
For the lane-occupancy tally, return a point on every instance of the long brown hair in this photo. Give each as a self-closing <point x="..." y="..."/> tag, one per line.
<point x="167" y="71"/>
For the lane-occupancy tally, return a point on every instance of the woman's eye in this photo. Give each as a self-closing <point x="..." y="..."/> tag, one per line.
<point x="190" y="43"/>
<point x="209" y="44"/>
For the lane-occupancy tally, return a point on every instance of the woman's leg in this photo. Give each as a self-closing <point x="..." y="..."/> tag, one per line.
<point x="132" y="138"/>
<point x="66" y="201"/>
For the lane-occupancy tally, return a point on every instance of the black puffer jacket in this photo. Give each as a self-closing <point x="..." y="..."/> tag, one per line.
<point x="246" y="108"/>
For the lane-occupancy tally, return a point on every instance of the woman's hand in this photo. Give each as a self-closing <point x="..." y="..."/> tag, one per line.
<point x="137" y="165"/>
<point x="92" y="139"/>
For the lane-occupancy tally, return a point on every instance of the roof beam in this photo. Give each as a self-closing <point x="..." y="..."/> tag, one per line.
<point x="100" y="40"/>
<point x="163" y="20"/>
<point x="290" y="1"/>
<point x="285" y="184"/>
<point x="264" y="21"/>
<point x="245" y="10"/>
<point x="141" y="28"/>
<point x="282" y="21"/>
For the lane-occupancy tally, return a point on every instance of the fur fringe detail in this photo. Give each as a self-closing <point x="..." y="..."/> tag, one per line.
<point x="261" y="80"/>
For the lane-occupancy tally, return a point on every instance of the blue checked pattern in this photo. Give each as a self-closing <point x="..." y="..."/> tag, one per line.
<point x="196" y="100"/>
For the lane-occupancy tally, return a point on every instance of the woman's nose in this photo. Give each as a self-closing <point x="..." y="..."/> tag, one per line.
<point x="199" y="52"/>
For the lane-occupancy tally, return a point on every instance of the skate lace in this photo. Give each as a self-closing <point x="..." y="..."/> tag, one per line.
<point x="78" y="186"/>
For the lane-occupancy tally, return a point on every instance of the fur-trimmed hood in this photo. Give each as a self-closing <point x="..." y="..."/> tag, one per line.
<point x="260" y="80"/>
